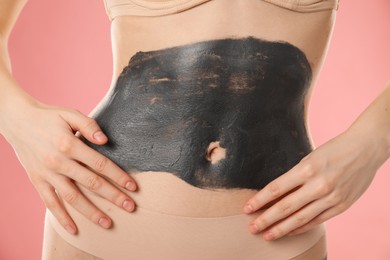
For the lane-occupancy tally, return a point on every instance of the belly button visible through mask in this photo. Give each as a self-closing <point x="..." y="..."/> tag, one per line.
<point x="215" y="152"/>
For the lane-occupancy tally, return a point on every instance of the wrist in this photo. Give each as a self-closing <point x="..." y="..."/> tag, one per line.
<point x="372" y="127"/>
<point x="14" y="108"/>
<point x="372" y="138"/>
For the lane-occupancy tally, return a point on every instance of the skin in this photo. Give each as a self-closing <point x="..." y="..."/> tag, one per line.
<point x="162" y="102"/>
<point x="56" y="157"/>
<point x="333" y="176"/>
<point x="328" y="180"/>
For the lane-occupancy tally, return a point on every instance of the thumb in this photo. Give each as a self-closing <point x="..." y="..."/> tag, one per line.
<point x="88" y="127"/>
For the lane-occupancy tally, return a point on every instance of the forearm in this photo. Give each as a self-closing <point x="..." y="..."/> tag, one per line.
<point x="12" y="96"/>
<point x="373" y="124"/>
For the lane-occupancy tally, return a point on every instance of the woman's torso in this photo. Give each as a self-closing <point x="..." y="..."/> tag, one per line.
<point x="234" y="74"/>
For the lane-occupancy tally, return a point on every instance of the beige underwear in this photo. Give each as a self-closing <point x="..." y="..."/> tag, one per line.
<point x="147" y="234"/>
<point x="115" y="8"/>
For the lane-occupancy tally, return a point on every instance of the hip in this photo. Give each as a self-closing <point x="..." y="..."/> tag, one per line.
<point x="150" y="234"/>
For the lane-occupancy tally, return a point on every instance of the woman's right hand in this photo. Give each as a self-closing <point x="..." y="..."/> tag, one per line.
<point x="54" y="158"/>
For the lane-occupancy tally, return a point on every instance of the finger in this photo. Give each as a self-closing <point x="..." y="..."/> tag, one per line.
<point x="324" y="216"/>
<point x="274" y="190"/>
<point x="52" y="202"/>
<point x="283" y="208"/>
<point x="69" y="192"/>
<point x="98" y="185"/>
<point x="296" y="220"/>
<point x="101" y="164"/>
<point x="88" y="127"/>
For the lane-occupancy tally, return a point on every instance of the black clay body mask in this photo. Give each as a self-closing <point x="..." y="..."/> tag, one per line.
<point x="240" y="99"/>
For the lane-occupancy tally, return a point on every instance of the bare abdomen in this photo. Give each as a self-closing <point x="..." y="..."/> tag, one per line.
<point x="217" y="118"/>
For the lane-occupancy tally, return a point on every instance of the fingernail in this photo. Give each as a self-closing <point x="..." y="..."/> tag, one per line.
<point x="99" y="136"/>
<point x="104" y="222"/>
<point x="248" y="208"/>
<point x="268" y="236"/>
<point x="254" y="228"/>
<point x="128" y="205"/>
<point x="70" y="229"/>
<point x="130" y="186"/>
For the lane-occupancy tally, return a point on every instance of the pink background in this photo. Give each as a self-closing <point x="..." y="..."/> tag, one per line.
<point x="61" y="55"/>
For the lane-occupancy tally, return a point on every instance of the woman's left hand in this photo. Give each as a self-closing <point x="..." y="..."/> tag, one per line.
<point x="322" y="185"/>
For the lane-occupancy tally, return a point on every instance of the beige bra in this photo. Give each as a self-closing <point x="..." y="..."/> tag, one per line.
<point x="116" y="8"/>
